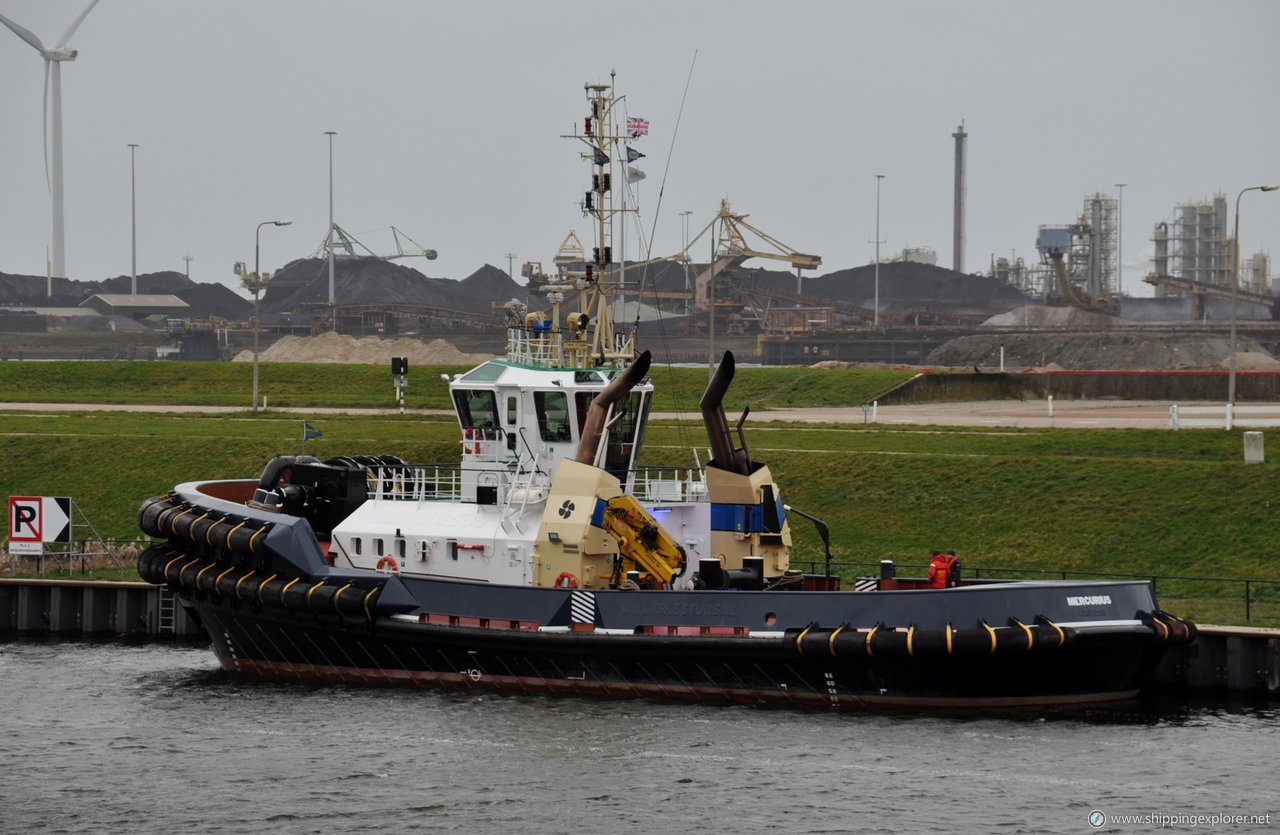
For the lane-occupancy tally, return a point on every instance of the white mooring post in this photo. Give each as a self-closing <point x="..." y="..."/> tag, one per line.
<point x="1253" y="451"/>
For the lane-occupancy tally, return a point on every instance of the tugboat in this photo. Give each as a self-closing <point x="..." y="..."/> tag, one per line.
<point x="549" y="561"/>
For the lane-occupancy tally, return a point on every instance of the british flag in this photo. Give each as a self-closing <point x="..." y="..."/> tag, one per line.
<point x="637" y="127"/>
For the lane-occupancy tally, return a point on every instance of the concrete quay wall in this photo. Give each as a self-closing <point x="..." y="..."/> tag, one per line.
<point x="91" y="609"/>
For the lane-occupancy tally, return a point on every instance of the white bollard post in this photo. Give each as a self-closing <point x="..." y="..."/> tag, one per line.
<point x="1173" y="416"/>
<point x="1253" y="451"/>
<point x="1051" y="405"/>
<point x="875" y="404"/>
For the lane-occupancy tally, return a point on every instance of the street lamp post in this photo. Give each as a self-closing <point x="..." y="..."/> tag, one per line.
<point x="684" y="251"/>
<point x="331" y="134"/>
<point x="1120" y="240"/>
<point x="1235" y="288"/>
<point x="256" y="286"/>
<point x="133" y="216"/>
<point x="876" y="320"/>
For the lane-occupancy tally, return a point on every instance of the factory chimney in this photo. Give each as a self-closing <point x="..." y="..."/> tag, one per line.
<point x="957" y="249"/>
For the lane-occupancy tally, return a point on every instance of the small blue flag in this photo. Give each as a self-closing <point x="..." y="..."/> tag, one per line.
<point x="633" y="154"/>
<point x="310" y="433"/>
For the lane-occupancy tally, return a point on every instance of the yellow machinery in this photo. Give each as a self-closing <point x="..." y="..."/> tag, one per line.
<point x="642" y="543"/>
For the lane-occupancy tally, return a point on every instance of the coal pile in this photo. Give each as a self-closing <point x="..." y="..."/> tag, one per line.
<point x="304" y="283"/>
<point x="30" y="290"/>
<point x="1100" y="350"/>
<point x="906" y="287"/>
<point x="209" y="300"/>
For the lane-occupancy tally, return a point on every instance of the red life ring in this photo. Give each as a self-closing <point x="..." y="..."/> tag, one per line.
<point x="566" y="581"/>
<point x="388" y="565"/>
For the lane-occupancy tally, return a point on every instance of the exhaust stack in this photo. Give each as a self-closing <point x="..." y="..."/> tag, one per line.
<point x="620" y="387"/>
<point x="726" y="457"/>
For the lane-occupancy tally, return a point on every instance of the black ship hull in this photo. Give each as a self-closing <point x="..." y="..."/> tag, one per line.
<point x="726" y="670"/>
<point x="272" y="606"/>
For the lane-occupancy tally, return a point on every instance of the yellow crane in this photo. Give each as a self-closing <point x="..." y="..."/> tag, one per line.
<point x="642" y="543"/>
<point x="732" y="249"/>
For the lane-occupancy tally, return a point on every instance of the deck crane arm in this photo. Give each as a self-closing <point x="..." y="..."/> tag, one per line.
<point x="642" y="543"/>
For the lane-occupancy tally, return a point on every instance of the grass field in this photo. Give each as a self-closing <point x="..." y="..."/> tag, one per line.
<point x="370" y="386"/>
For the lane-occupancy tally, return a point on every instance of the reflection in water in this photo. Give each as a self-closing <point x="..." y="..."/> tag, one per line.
<point x="157" y="738"/>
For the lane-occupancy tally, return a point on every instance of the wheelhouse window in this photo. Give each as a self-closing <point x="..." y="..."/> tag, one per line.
<point x="477" y="408"/>
<point x="552" y="408"/>
<point x="626" y="436"/>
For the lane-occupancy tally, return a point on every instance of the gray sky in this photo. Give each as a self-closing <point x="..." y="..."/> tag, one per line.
<point x="448" y="117"/>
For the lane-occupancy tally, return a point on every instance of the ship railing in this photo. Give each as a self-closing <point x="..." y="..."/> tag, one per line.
<point x="537" y="348"/>
<point x="528" y="484"/>
<point x="669" y="484"/>
<point x="417" y="484"/>
<point x="487" y="445"/>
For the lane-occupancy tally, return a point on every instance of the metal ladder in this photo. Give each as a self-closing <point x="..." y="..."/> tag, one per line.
<point x="167" y="612"/>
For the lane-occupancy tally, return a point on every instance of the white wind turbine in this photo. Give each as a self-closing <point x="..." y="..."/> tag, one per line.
<point x="53" y="58"/>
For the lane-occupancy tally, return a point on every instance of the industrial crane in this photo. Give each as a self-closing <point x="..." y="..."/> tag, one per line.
<point x="732" y="249"/>
<point x="1200" y="289"/>
<point x="344" y="246"/>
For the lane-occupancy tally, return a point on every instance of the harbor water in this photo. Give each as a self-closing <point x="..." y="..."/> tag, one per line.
<point x="112" y="737"/>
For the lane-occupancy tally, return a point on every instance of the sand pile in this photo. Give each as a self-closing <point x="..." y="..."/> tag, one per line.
<point x="1253" y="361"/>
<point x="1042" y="316"/>
<point x="369" y="350"/>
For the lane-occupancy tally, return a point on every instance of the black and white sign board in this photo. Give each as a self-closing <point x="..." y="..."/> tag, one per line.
<point x="35" y="520"/>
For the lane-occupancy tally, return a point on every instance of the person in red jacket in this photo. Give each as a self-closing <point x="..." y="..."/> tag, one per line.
<point x="939" y="571"/>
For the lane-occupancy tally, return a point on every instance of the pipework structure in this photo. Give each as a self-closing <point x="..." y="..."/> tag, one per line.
<point x="1097" y="262"/>
<point x="1196" y="246"/>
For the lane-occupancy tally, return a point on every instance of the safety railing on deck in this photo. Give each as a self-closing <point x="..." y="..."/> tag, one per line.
<point x="417" y="484"/>
<point x="422" y="484"/>
<point x="669" y="484"/>
<point x="537" y="348"/>
<point x="1252" y="598"/>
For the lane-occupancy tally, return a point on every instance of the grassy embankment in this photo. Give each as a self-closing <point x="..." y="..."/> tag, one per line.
<point x="1129" y="501"/>
<point x="301" y="385"/>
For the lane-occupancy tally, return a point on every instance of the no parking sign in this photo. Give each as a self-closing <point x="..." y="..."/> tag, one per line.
<point x="35" y="520"/>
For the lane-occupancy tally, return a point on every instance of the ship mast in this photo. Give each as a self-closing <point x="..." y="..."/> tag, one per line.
<point x="599" y="131"/>
<point x="584" y="337"/>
